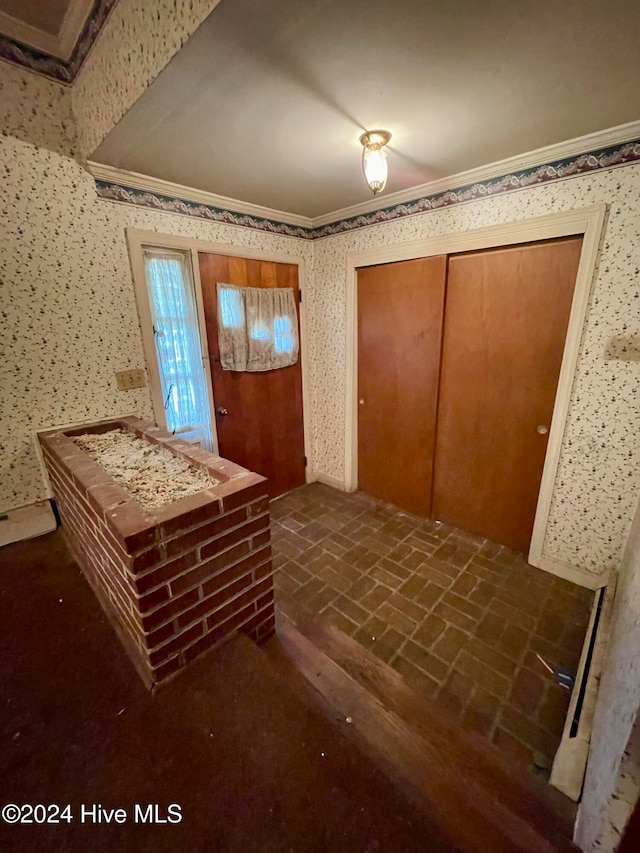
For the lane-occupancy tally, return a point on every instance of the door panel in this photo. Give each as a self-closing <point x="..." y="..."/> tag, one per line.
<point x="505" y="324"/>
<point x="263" y="430"/>
<point x="399" y="334"/>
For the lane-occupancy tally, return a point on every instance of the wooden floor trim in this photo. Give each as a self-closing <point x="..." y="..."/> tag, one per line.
<point x="446" y="768"/>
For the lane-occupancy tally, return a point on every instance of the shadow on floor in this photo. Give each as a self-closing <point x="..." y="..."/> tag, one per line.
<point x="253" y="766"/>
<point x="460" y="618"/>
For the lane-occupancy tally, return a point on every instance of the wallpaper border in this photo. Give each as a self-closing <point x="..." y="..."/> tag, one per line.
<point x="556" y="170"/>
<point x="112" y="191"/>
<point x="610" y="157"/>
<point x="60" y="70"/>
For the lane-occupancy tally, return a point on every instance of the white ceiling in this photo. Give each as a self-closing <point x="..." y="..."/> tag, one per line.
<point x="266" y="101"/>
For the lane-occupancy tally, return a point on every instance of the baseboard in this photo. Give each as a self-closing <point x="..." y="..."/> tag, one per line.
<point x="27" y="522"/>
<point x="589" y="580"/>
<point x="327" y="480"/>
<point x="570" y="760"/>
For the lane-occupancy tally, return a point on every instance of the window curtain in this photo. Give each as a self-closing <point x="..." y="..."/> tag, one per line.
<point x="257" y="327"/>
<point x="177" y="337"/>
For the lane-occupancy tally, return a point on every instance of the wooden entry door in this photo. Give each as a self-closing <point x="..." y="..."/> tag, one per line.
<point x="400" y="309"/>
<point x="259" y="416"/>
<point x="506" y="317"/>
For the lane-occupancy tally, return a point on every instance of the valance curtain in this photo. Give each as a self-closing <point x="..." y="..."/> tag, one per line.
<point x="257" y="327"/>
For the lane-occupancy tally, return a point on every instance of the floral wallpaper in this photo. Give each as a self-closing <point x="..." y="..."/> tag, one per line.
<point x="596" y="488"/>
<point x="591" y="161"/>
<point x="69" y="322"/>
<point x="134" y="46"/>
<point x="612" y="782"/>
<point x="597" y="483"/>
<point x="620" y="154"/>
<point x="36" y="110"/>
<point x="68" y="305"/>
<point x="155" y="201"/>
<point x="68" y="302"/>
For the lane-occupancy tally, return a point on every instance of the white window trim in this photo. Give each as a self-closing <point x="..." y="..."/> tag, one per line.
<point x="137" y="241"/>
<point x="188" y="259"/>
<point x="136" y="253"/>
<point x="588" y="222"/>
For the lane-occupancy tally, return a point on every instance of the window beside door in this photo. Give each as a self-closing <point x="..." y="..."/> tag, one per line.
<point x="176" y="334"/>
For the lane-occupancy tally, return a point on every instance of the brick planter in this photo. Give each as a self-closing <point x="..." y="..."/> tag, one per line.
<point x="177" y="580"/>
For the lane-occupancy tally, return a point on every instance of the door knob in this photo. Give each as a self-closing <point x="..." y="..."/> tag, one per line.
<point x="542" y="429"/>
<point x="361" y="401"/>
<point x="222" y="412"/>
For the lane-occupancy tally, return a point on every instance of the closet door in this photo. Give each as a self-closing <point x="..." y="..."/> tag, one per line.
<point x="400" y="309"/>
<point x="505" y="324"/>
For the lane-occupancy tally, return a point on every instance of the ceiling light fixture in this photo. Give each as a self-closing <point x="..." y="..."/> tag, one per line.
<point x="374" y="158"/>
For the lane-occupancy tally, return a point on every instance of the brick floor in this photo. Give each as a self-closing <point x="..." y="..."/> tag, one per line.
<point x="459" y="617"/>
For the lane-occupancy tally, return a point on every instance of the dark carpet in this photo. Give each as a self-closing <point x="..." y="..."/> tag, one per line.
<point x="251" y="763"/>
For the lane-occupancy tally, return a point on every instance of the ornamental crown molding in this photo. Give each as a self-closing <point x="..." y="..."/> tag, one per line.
<point x="59" y="56"/>
<point x="539" y="157"/>
<point x="606" y="149"/>
<point x="167" y="189"/>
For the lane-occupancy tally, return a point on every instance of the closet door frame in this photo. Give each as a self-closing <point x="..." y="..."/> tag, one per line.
<point x="588" y="222"/>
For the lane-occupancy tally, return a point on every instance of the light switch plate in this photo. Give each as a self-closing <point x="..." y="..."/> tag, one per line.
<point x="129" y="379"/>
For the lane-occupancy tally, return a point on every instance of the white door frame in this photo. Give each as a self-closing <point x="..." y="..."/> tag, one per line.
<point x="137" y="241"/>
<point x="588" y="222"/>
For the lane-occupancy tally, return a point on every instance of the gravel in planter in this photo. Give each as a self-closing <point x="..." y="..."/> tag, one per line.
<point x="152" y="475"/>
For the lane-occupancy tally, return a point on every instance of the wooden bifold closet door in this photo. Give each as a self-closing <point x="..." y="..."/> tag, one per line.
<point x="399" y="335"/>
<point x="463" y="408"/>
<point x="506" y="319"/>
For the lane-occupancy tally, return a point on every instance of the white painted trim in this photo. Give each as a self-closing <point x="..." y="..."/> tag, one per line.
<point x="178" y="241"/>
<point x="60" y="45"/>
<point x="587" y="221"/>
<point x="571" y="148"/>
<point x="136" y="259"/>
<point x="328" y="480"/>
<point x="136" y="254"/>
<point x="204" y="345"/>
<point x="351" y="378"/>
<point x="560" y="569"/>
<point x="305" y="366"/>
<point x="146" y="183"/>
<point x="27" y="522"/>
<point x="74" y="20"/>
<point x="591" y="228"/>
<point x="570" y="762"/>
<point x="137" y="239"/>
<point x="30" y="35"/>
